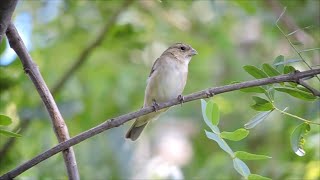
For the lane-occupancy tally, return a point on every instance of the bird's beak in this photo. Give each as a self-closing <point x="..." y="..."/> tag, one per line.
<point x="193" y="52"/>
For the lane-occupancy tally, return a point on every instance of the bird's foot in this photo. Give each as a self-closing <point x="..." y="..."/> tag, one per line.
<point x="180" y="99"/>
<point x="209" y="94"/>
<point x="155" y="105"/>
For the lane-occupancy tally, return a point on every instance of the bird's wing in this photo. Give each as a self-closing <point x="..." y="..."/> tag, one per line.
<point x="154" y="67"/>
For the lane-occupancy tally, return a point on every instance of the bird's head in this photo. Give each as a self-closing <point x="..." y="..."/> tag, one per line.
<point x="183" y="52"/>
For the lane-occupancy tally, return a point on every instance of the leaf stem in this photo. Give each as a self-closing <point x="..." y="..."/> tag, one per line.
<point x="297" y="117"/>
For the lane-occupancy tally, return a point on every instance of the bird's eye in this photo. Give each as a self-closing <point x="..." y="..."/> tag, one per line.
<point x="183" y="48"/>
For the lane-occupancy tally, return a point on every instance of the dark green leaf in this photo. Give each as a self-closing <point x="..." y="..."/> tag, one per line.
<point x="5" y="120"/>
<point x="255" y="72"/>
<point x="241" y="167"/>
<point x="9" y="133"/>
<point x="212" y="112"/>
<point x="214" y="128"/>
<point x="288" y="69"/>
<point x="257" y="119"/>
<point x="257" y="177"/>
<point x="297" y="93"/>
<point x="222" y="144"/>
<point x="270" y="70"/>
<point x="297" y="138"/>
<point x="256" y="89"/>
<point x="278" y="63"/>
<point x="248" y="156"/>
<point x="236" y="135"/>
<point x="261" y="104"/>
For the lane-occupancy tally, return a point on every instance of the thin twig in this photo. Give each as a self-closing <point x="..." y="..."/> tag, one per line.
<point x="31" y="69"/>
<point x="307" y="86"/>
<point x="115" y="122"/>
<point x="291" y="44"/>
<point x="89" y="49"/>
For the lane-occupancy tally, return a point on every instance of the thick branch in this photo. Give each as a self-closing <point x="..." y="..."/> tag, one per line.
<point x="115" y="122"/>
<point x="83" y="56"/>
<point x="6" y="11"/>
<point x="89" y="49"/>
<point x="33" y="72"/>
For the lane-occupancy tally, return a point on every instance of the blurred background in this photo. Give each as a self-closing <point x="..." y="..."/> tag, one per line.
<point x="114" y="48"/>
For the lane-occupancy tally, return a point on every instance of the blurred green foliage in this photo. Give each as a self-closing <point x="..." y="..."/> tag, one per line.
<point x="111" y="82"/>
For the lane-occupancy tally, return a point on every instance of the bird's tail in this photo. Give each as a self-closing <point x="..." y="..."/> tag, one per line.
<point x="140" y="123"/>
<point x="135" y="131"/>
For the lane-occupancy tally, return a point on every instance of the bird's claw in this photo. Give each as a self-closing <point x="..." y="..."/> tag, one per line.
<point x="180" y="99"/>
<point x="209" y="94"/>
<point x="155" y="105"/>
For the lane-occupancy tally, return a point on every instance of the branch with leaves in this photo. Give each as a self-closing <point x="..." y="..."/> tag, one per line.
<point x="115" y="122"/>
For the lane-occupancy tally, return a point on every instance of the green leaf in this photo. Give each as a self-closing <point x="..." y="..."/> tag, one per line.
<point x="288" y="69"/>
<point x="297" y="138"/>
<point x="214" y="128"/>
<point x="222" y="144"/>
<point x="241" y="167"/>
<point x="255" y="72"/>
<point x="5" y="120"/>
<point x="270" y="70"/>
<point x="248" y="156"/>
<point x="9" y="133"/>
<point x="296" y="93"/>
<point x="278" y="63"/>
<point x="261" y="104"/>
<point x="212" y="112"/>
<point x="3" y="45"/>
<point x="257" y="119"/>
<point x="257" y="177"/>
<point x="256" y="89"/>
<point x="236" y="135"/>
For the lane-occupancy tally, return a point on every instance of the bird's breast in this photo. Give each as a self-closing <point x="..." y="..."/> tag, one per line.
<point x="167" y="83"/>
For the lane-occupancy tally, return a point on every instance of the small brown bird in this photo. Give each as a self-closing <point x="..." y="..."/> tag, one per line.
<point x="166" y="81"/>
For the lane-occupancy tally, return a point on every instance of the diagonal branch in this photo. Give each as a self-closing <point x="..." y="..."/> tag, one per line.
<point x="89" y="49"/>
<point x="32" y="70"/>
<point x="6" y="11"/>
<point x="83" y="56"/>
<point x="115" y="122"/>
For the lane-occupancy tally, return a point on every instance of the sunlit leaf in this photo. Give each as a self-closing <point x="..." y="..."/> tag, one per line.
<point x="261" y="104"/>
<point x="278" y="63"/>
<point x="297" y="93"/>
<point x="212" y="112"/>
<point x="236" y="135"/>
<point x="241" y="167"/>
<point x="267" y="68"/>
<point x="249" y="156"/>
<point x="257" y="119"/>
<point x="257" y="177"/>
<point x="214" y="128"/>
<point x="256" y="89"/>
<point x="9" y="133"/>
<point x="222" y="144"/>
<point x="255" y="72"/>
<point x="5" y="120"/>
<point x="297" y="138"/>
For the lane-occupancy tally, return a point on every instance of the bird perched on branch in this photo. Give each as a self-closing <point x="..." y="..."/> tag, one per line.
<point x="166" y="81"/>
